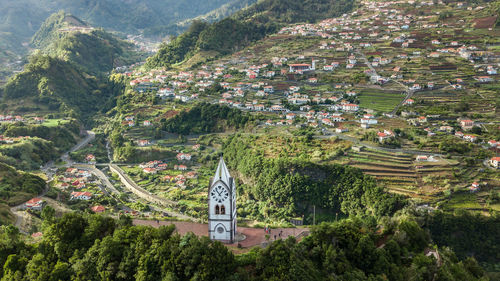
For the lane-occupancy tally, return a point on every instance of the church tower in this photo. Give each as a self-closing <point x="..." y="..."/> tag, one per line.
<point x="222" y="205"/>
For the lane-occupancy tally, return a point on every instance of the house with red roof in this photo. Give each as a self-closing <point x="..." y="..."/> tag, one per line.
<point x="350" y="107"/>
<point x="183" y="156"/>
<point x="75" y="195"/>
<point x="149" y="170"/>
<point x="466" y="124"/>
<point x="98" y="209"/>
<point x="474" y="187"/>
<point x="35" y="204"/>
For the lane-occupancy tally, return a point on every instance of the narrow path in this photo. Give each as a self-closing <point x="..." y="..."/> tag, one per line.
<point x="370" y="146"/>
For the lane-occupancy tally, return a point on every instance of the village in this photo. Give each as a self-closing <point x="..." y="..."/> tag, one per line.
<point x="383" y="79"/>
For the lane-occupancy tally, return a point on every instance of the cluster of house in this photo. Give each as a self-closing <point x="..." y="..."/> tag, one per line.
<point x="152" y="167"/>
<point x="76" y="180"/>
<point x="388" y="21"/>
<point x="180" y="180"/>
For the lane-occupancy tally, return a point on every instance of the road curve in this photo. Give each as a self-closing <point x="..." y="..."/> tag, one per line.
<point x="146" y="195"/>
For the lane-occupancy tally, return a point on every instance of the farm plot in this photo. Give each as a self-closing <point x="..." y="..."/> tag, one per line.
<point x="379" y="100"/>
<point x="399" y="173"/>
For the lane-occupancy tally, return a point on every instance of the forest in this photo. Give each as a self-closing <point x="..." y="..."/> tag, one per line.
<point x="16" y="187"/>
<point x="206" y="118"/>
<point x="62" y="87"/>
<point x="468" y="234"/>
<point x="288" y="187"/>
<point x="92" y="247"/>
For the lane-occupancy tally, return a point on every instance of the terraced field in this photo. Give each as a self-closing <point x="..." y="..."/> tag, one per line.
<point x="399" y="173"/>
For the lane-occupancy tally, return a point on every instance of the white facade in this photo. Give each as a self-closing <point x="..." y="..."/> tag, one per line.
<point x="222" y="205"/>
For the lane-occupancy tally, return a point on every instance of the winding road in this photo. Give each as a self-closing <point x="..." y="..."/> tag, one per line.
<point x="49" y="170"/>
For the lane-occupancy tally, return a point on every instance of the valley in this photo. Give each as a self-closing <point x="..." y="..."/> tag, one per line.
<point x="367" y="133"/>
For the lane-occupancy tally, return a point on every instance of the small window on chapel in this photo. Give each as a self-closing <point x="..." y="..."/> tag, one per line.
<point x="217" y="209"/>
<point x="222" y="210"/>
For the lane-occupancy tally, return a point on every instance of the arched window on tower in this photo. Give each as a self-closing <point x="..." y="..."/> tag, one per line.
<point x="222" y="210"/>
<point x="216" y="209"/>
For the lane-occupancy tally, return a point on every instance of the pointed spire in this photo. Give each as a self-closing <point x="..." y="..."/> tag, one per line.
<point x="222" y="172"/>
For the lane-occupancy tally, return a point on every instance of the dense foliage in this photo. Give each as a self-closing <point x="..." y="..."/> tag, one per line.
<point x="59" y="86"/>
<point x="62" y="136"/>
<point x="28" y="154"/>
<point x="206" y="118"/>
<point x="45" y="143"/>
<point x="77" y="247"/>
<point x="286" y="187"/>
<point x="467" y="234"/>
<point x="50" y="29"/>
<point x="291" y="11"/>
<point x="17" y="186"/>
<point x="92" y="50"/>
<point x="246" y="26"/>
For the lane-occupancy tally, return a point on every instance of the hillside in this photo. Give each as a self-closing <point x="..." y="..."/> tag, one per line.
<point x="54" y="27"/>
<point x="16" y="187"/>
<point x="66" y="75"/>
<point x="51" y="84"/>
<point x="220" y="13"/>
<point x="92" y="50"/>
<point x="20" y="19"/>
<point x="249" y="25"/>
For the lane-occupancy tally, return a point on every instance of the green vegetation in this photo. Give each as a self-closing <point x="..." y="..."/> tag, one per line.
<point x="249" y="25"/>
<point x="19" y="20"/>
<point x="16" y="187"/>
<point x="287" y="187"/>
<point x="380" y="101"/>
<point x="62" y="135"/>
<point x="93" y="247"/>
<point x="206" y="118"/>
<point x="93" y="50"/>
<point x="467" y="234"/>
<point x="51" y="29"/>
<point x="97" y="148"/>
<point x="59" y="86"/>
<point x="28" y="154"/>
<point x="45" y="143"/>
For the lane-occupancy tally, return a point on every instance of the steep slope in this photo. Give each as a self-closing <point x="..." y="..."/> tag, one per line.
<point x="220" y="13"/>
<point x="55" y="27"/>
<point x="94" y="50"/>
<point x="248" y="25"/>
<point x="67" y="75"/>
<point x="16" y="187"/>
<point x="20" y="19"/>
<point x="51" y="84"/>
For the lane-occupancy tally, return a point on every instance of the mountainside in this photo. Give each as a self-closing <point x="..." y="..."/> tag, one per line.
<point x="15" y="188"/>
<point x="94" y="50"/>
<point x="50" y="84"/>
<point x="66" y="75"/>
<point x="248" y="25"/>
<point x="20" y="19"/>
<point x="54" y="27"/>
